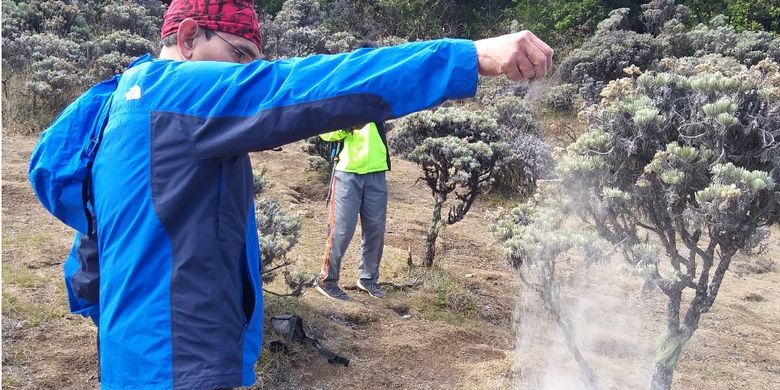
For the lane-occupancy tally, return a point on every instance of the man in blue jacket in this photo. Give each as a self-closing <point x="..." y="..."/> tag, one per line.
<point x="179" y="293"/>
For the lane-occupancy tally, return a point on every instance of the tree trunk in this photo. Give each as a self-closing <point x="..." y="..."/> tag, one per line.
<point x="430" y="247"/>
<point x="667" y="356"/>
<point x="587" y="374"/>
<point x="433" y="234"/>
<point x="669" y="350"/>
<point x="662" y="377"/>
<point x="550" y="296"/>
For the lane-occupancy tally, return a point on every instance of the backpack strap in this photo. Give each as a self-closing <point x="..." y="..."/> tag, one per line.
<point x="380" y="126"/>
<point x="333" y="358"/>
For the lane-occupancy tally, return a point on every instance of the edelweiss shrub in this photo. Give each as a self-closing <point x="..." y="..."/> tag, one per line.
<point x="710" y="63"/>
<point x="53" y="67"/>
<point x="748" y="47"/>
<point x="460" y="153"/>
<point x="29" y="48"/>
<point x="298" y="31"/>
<point x="340" y="42"/>
<point x="39" y="16"/>
<point x="603" y="58"/>
<point x="561" y="97"/>
<point x="116" y="50"/>
<point x="656" y="13"/>
<point x="617" y="20"/>
<point x="680" y="170"/>
<point x="133" y="18"/>
<point x="59" y="48"/>
<point x="259" y="182"/>
<point x="52" y="77"/>
<point x="533" y="233"/>
<point x="492" y="89"/>
<point x="320" y="158"/>
<point x="528" y="158"/>
<point x="391" y="40"/>
<point x="277" y="229"/>
<point x="536" y="238"/>
<point x="514" y="113"/>
<point x="412" y="130"/>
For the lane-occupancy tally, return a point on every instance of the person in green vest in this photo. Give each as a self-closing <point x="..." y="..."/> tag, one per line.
<point x="358" y="188"/>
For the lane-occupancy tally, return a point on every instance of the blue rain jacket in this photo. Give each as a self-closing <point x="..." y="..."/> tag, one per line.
<point x="179" y="300"/>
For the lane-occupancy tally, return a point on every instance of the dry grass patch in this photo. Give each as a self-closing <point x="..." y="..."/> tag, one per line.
<point x="443" y="297"/>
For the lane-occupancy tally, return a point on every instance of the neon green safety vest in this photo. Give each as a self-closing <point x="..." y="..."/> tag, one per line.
<point x="364" y="150"/>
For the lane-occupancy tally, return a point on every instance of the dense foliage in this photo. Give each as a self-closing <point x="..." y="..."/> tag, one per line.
<point x="614" y="47"/>
<point x="567" y="22"/>
<point x="299" y="30"/>
<point x="742" y="14"/>
<point x="53" y="50"/>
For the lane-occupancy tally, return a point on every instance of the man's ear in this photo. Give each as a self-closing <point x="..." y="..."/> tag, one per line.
<point x="185" y="38"/>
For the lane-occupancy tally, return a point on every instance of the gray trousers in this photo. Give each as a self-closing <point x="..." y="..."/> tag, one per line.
<point x="353" y="194"/>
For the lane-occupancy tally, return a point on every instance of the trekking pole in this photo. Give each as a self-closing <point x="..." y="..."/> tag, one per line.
<point x="334" y="157"/>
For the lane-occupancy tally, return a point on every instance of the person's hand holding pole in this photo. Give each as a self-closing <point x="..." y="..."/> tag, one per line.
<point x="519" y="56"/>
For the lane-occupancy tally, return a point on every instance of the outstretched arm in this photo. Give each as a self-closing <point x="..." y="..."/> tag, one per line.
<point x="263" y="105"/>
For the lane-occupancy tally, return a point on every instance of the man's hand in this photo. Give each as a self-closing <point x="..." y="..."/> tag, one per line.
<point x="520" y="56"/>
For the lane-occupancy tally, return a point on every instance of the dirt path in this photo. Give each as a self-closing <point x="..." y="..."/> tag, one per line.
<point x="454" y="331"/>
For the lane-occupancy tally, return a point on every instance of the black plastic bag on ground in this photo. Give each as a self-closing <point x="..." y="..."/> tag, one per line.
<point x="290" y="328"/>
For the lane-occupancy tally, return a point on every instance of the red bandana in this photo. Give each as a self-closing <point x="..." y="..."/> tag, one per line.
<point x="235" y="17"/>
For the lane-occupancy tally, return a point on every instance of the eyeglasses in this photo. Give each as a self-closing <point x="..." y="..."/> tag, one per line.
<point x="240" y="55"/>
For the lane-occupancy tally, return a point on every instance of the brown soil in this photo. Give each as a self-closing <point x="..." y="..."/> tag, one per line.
<point x="453" y="331"/>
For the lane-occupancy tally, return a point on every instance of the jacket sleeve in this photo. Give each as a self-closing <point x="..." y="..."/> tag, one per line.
<point x="334" y="136"/>
<point x="244" y="108"/>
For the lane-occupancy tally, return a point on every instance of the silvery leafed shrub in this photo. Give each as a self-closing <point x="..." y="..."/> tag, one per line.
<point x="460" y="153"/>
<point x="54" y="50"/>
<point x="680" y="169"/>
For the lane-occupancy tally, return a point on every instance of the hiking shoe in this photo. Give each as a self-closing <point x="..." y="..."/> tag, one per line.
<point x="371" y="288"/>
<point x="331" y="290"/>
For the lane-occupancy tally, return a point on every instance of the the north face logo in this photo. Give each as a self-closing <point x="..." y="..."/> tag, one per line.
<point x="134" y="93"/>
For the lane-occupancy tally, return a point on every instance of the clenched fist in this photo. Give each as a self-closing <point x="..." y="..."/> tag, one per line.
<point x="519" y="56"/>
